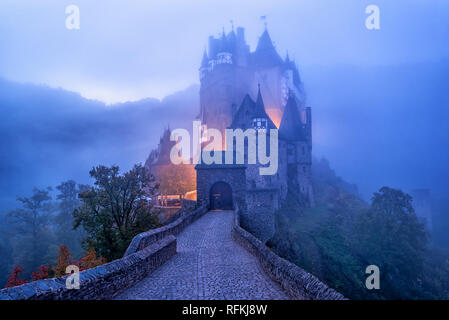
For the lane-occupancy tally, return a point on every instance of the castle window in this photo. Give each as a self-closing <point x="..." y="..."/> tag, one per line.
<point x="304" y="169"/>
<point x="224" y="57"/>
<point x="303" y="150"/>
<point x="259" y="123"/>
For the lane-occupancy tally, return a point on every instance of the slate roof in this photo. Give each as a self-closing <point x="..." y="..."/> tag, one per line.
<point x="248" y="111"/>
<point x="266" y="54"/>
<point x="291" y="128"/>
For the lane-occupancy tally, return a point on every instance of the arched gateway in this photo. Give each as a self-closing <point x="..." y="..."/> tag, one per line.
<point x="221" y="196"/>
<point x="221" y="186"/>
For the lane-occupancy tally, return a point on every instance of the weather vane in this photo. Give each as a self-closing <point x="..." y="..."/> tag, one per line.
<point x="264" y="19"/>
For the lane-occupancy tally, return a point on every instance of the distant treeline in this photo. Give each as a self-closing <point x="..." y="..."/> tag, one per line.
<point x="340" y="237"/>
<point x="43" y="235"/>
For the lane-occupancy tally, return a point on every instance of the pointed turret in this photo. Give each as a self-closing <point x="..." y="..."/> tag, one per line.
<point x="259" y="111"/>
<point x="266" y="54"/>
<point x="223" y="42"/>
<point x="165" y="145"/>
<point x="291" y="128"/>
<point x="231" y="40"/>
<point x="250" y="113"/>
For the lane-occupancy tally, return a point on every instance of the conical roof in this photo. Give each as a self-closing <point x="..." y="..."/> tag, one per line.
<point x="250" y="110"/>
<point x="259" y="111"/>
<point x="223" y="43"/>
<point x="266" y="54"/>
<point x="291" y="127"/>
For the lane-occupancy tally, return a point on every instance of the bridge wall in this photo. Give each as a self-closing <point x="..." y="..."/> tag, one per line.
<point x="144" y="239"/>
<point x="146" y="253"/>
<point x="298" y="283"/>
<point x="102" y="282"/>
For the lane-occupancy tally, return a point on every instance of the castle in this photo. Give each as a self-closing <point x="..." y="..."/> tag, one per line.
<point x="241" y="89"/>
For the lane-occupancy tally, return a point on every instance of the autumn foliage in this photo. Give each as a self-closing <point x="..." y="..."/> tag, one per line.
<point x="43" y="272"/>
<point x="14" y="278"/>
<point x="88" y="261"/>
<point x="63" y="261"/>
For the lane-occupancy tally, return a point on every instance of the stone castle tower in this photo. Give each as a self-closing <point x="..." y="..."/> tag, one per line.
<point x="230" y="74"/>
<point x="229" y="71"/>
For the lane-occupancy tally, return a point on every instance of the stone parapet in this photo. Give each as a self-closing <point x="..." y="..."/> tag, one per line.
<point x="296" y="282"/>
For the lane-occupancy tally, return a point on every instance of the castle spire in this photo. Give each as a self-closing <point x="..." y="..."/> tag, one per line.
<point x="264" y="19"/>
<point x="266" y="54"/>
<point x="260" y="106"/>
<point x="223" y="42"/>
<point x="291" y="127"/>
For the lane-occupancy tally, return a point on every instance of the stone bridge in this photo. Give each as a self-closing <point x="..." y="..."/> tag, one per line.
<point x="200" y="255"/>
<point x="209" y="264"/>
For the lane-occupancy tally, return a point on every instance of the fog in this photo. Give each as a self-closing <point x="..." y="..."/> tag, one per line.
<point x="130" y="50"/>
<point x="380" y="108"/>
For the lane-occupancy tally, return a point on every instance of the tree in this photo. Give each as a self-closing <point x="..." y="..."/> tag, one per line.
<point x="116" y="209"/>
<point x="43" y="272"/>
<point x="176" y="179"/>
<point x="5" y="251"/>
<point x="63" y="261"/>
<point x="90" y="260"/>
<point x="64" y="222"/>
<point x="31" y="224"/>
<point x="390" y="236"/>
<point x="14" y="278"/>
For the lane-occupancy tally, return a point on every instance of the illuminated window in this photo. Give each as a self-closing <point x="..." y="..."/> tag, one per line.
<point x="260" y="123"/>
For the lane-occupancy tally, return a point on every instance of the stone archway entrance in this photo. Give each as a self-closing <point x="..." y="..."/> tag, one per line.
<point x="221" y="196"/>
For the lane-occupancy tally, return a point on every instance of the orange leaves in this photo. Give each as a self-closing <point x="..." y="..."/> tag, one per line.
<point x="42" y="273"/>
<point x="63" y="261"/>
<point x="14" y="278"/>
<point x="90" y="260"/>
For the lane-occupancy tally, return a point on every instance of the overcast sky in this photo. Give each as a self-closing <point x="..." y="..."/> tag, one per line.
<point x="127" y="50"/>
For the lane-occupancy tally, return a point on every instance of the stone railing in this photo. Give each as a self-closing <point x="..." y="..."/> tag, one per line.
<point x="187" y="204"/>
<point x="298" y="283"/>
<point x="144" y="239"/>
<point x="147" y="252"/>
<point x="102" y="282"/>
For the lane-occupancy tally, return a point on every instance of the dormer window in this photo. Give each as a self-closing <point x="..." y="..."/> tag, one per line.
<point x="224" y="58"/>
<point x="260" y="123"/>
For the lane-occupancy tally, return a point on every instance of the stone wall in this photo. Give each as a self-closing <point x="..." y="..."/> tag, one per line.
<point x="144" y="239"/>
<point x="187" y="204"/>
<point x="102" y="282"/>
<point x="234" y="175"/>
<point x="298" y="283"/>
<point x="258" y="218"/>
<point x="145" y="254"/>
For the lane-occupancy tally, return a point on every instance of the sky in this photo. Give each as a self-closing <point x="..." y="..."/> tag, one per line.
<point x="129" y="50"/>
<point x="379" y="98"/>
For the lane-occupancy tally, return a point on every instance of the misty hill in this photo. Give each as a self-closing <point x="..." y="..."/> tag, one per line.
<point x="384" y="125"/>
<point x="377" y="126"/>
<point x="51" y="135"/>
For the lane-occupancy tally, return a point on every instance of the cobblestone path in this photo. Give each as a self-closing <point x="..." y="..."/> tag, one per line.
<point x="209" y="265"/>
